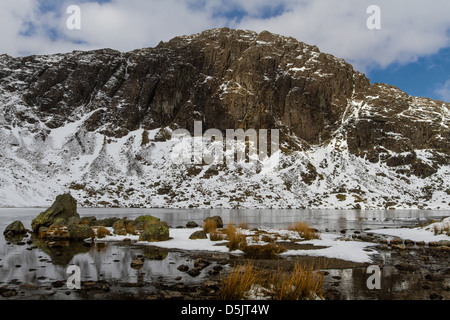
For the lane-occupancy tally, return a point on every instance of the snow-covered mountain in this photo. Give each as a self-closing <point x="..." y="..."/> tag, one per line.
<point x="99" y="124"/>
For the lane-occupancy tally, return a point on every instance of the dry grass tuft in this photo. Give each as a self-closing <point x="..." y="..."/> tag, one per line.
<point x="243" y="225"/>
<point x="102" y="232"/>
<point x="209" y="226"/>
<point x="261" y="251"/>
<point x="304" y="230"/>
<point x="217" y="236"/>
<point x="239" y="281"/>
<point x="236" y="240"/>
<point x="302" y="283"/>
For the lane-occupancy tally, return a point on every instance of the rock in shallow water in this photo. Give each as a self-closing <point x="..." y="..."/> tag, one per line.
<point x="63" y="210"/>
<point x="15" y="228"/>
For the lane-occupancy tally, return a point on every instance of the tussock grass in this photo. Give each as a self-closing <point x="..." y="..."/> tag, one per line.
<point x="102" y="232"/>
<point x="217" y="236"/>
<point x="209" y="226"/>
<point x="239" y="281"/>
<point x="302" y="283"/>
<point x="243" y="225"/>
<point x="268" y="250"/>
<point x="304" y="230"/>
<point x="236" y="240"/>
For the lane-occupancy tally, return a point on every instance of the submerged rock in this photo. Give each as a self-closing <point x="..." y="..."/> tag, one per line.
<point x="63" y="210"/>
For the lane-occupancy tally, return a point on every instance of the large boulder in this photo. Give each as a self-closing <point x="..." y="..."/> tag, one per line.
<point x="79" y="232"/>
<point x="63" y="211"/>
<point x="156" y="231"/>
<point x="141" y="222"/>
<point x="15" y="228"/>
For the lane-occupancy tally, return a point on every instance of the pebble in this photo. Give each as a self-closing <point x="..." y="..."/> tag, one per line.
<point x="183" y="268"/>
<point x="194" y="272"/>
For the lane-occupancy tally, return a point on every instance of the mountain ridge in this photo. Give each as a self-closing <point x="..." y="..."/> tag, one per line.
<point x="100" y="122"/>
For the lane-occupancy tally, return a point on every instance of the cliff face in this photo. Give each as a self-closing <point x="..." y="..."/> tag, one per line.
<point x="99" y="122"/>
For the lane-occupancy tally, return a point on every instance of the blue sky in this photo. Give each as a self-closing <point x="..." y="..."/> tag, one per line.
<point x="410" y="51"/>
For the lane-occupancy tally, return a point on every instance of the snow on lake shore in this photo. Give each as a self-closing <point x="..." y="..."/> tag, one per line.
<point x="355" y="251"/>
<point x="432" y="232"/>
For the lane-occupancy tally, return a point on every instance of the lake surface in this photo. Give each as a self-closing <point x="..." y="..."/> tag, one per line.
<point x="40" y="266"/>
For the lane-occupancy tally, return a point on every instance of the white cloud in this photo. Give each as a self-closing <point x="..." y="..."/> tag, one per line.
<point x="443" y="91"/>
<point x="409" y="29"/>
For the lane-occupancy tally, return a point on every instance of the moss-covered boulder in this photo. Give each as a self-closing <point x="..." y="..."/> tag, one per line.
<point x="156" y="231"/>
<point x="79" y="232"/>
<point x="198" y="235"/>
<point x="107" y="222"/>
<point x="15" y="228"/>
<point x="141" y="222"/>
<point x="63" y="210"/>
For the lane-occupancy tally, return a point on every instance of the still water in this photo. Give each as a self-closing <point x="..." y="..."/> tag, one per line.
<point x="34" y="263"/>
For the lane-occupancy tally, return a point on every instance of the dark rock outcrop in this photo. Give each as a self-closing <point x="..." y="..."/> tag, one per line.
<point x="15" y="228"/>
<point x="62" y="211"/>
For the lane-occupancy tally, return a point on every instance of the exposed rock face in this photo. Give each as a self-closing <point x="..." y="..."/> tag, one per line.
<point x="109" y="114"/>
<point x="63" y="211"/>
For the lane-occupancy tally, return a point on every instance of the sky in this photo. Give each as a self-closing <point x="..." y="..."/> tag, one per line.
<point x="405" y="43"/>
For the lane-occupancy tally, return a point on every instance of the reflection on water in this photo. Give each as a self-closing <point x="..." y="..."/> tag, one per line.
<point x="32" y="261"/>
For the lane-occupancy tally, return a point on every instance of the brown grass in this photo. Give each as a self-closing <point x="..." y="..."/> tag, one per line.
<point x="129" y="228"/>
<point x="443" y="229"/>
<point x="236" y="240"/>
<point x="217" y="236"/>
<point x="239" y="281"/>
<point x="302" y="283"/>
<point x="261" y="251"/>
<point x="102" y="232"/>
<point x="243" y="225"/>
<point x="209" y="226"/>
<point x="304" y="230"/>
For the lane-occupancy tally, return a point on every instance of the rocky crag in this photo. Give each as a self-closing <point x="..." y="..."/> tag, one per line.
<point x="99" y="123"/>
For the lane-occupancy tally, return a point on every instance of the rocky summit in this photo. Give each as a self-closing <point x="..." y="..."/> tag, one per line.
<point x="98" y="124"/>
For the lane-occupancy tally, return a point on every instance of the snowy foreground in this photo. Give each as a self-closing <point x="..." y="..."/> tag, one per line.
<point x="336" y="246"/>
